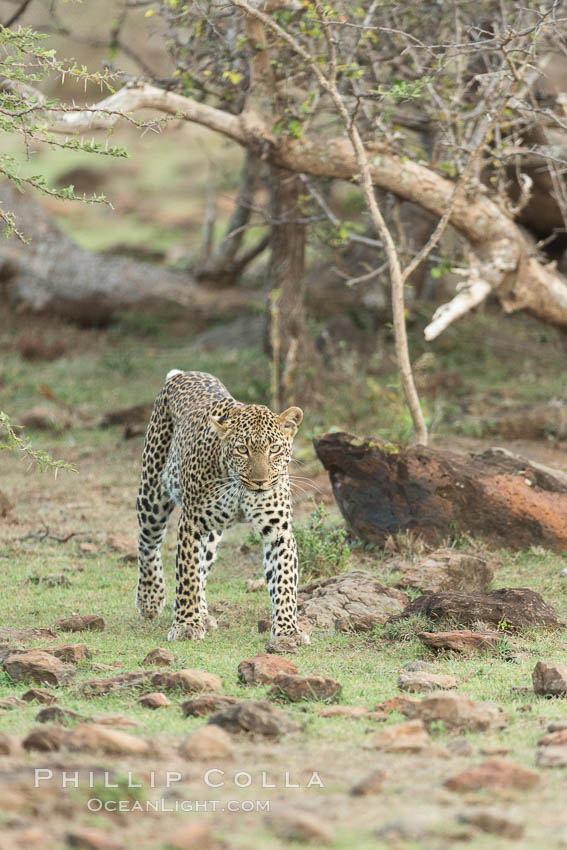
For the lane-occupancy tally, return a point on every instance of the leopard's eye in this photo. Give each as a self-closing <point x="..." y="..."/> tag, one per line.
<point x="276" y="449"/>
<point x="241" y="448"/>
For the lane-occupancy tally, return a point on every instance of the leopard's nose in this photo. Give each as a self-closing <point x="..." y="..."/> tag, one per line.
<point x="259" y="482"/>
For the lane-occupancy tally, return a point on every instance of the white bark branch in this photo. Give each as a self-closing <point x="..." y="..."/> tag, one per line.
<point x="471" y="295"/>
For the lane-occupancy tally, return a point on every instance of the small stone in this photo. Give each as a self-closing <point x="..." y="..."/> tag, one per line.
<point x="462" y="641"/>
<point x="39" y="695"/>
<point x="456" y="711"/>
<point x="446" y="569"/>
<point x="7" y="745"/>
<point x="10" y="635"/>
<point x="154" y="700"/>
<point x="264" y="668"/>
<point x="369" y="784"/>
<point x="254" y="584"/>
<point x="493" y="823"/>
<point x="88" y="549"/>
<point x="188" y="681"/>
<point x="45" y="739"/>
<point x="77" y="623"/>
<point x="389" y="705"/>
<point x="9" y="703"/>
<point x="282" y="645"/>
<point x="344" y="711"/>
<point x="290" y="824"/>
<point x="557" y="725"/>
<point x="92" y="838"/>
<point x="209" y="742"/>
<point x="159" y="658"/>
<point x="550" y="679"/>
<point x="121" y="543"/>
<point x="56" y="714"/>
<point x="264" y="626"/>
<point x="115" y="720"/>
<point x="94" y="737"/>
<point x="37" y="666"/>
<point x="33" y="836"/>
<point x="554" y="739"/>
<point x="412" y="827"/>
<point x="494" y="750"/>
<point x="206" y="704"/>
<point x="493" y="773"/>
<point x="72" y="653"/>
<point x="297" y="688"/>
<point x="254" y="718"/>
<point x="551" y="756"/>
<point x="418" y="667"/>
<point x="460" y="747"/>
<point x="101" y="686"/>
<point x="420" y="682"/>
<point x="192" y="836"/>
<point x="408" y="737"/>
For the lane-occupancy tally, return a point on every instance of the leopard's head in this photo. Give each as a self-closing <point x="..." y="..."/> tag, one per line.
<point x="257" y="443"/>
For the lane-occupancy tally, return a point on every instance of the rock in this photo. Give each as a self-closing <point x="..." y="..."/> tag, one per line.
<point x="552" y="756"/>
<point x="94" y="737"/>
<point x="495" y="823"/>
<point x="462" y="641"/>
<point x="7" y="745"/>
<point x="357" y="597"/>
<point x="188" y="681"/>
<point x="121" y="542"/>
<point x="77" y="623"/>
<point x="457" y="712"/>
<point x="412" y="827"/>
<point x="254" y="584"/>
<point x="9" y="703"/>
<point x="194" y="835"/>
<point x="495" y="773"/>
<point x="159" y="658"/>
<point x="460" y="747"/>
<point x="72" y="653"/>
<point x="290" y="824"/>
<point x="408" y="737"/>
<point x="550" y="679"/>
<point x="344" y="711"/>
<point x="56" y="714"/>
<point x="418" y="667"/>
<point x="92" y="838"/>
<point x="389" y="705"/>
<point x="206" y="704"/>
<point x="23" y="635"/>
<point x="508" y="607"/>
<point x="297" y="688"/>
<point x="282" y="644"/>
<point x="39" y="695"/>
<point x="555" y="738"/>
<point x="494" y="750"/>
<point x="38" y="666"/>
<point x="446" y="569"/>
<point x="557" y="725"/>
<point x="154" y="700"/>
<point x="115" y="720"/>
<point x="264" y="668"/>
<point x="45" y="739"/>
<point x="209" y="742"/>
<point x="421" y="682"/>
<point x="98" y="687"/>
<point x="46" y="417"/>
<point x="254" y="718"/>
<point x="264" y="626"/>
<point x="369" y="784"/>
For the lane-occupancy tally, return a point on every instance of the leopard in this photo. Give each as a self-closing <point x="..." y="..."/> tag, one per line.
<point x="223" y="462"/>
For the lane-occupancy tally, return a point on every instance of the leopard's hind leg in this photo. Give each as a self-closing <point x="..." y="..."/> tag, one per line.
<point x="154" y="507"/>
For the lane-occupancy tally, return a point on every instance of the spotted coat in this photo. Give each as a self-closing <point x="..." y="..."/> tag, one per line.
<point x="223" y="462"/>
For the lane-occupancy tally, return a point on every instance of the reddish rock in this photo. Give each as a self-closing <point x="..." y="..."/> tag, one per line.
<point x="282" y="645"/>
<point x="159" y="658"/>
<point x="206" y="704"/>
<point x="495" y="774"/>
<point x="445" y="569"/>
<point x="389" y="705"/>
<point x="552" y="756"/>
<point x="369" y="784"/>
<point x="457" y="712"/>
<point x="556" y="738"/>
<point x="77" y="623"/>
<point x="344" y="711"/>
<point x="254" y="718"/>
<point x="550" y="679"/>
<point x="297" y="688"/>
<point x="291" y="824"/>
<point x="209" y="742"/>
<point x="9" y="703"/>
<point x="264" y="626"/>
<point x="462" y="641"/>
<point x="494" y="823"/>
<point x="101" y="686"/>
<point x="38" y="666"/>
<point x="421" y="682"/>
<point x="45" y="739"/>
<point x="188" y="681"/>
<point x="155" y="700"/>
<point x="23" y="635"/>
<point x="408" y="737"/>
<point x="56" y="714"/>
<point x="92" y="838"/>
<point x="194" y="835"/>
<point x="72" y="653"/>
<point x="264" y="668"/>
<point x="39" y="695"/>
<point x="115" y="720"/>
<point x="7" y="745"/>
<point x="93" y="737"/>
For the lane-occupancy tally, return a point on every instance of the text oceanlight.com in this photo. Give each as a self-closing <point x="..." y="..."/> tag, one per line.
<point x="95" y="804"/>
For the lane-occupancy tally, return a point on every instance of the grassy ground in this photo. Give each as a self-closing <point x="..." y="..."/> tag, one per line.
<point x="122" y="366"/>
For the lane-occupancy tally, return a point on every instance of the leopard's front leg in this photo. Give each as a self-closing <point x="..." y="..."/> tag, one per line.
<point x="187" y="622"/>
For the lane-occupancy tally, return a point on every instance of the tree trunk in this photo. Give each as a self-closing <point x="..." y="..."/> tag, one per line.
<point x="382" y="489"/>
<point x="288" y="342"/>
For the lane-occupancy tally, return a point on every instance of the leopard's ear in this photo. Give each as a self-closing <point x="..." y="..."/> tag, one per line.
<point x="222" y="426"/>
<point x="290" y="420"/>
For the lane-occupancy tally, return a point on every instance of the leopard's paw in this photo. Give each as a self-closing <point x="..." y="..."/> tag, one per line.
<point x="149" y="608"/>
<point x="187" y="631"/>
